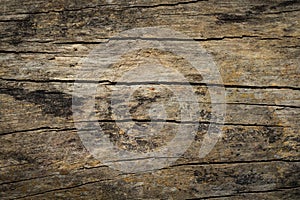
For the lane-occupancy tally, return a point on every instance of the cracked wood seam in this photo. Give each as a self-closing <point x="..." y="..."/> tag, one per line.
<point x="255" y="44"/>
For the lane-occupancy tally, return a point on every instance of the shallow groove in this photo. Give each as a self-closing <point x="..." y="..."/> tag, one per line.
<point x="137" y="120"/>
<point x="28" y="179"/>
<point x="107" y="82"/>
<point x="263" y="104"/>
<point x="233" y="162"/>
<point x="166" y="4"/>
<point x="109" y="5"/>
<point x="38" y="129"/>
<point x="28" y="52"/>
<point x="106" y="40"/>
<point x="184" y="122"/>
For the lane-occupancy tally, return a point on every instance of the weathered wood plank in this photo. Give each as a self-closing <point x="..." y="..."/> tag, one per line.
<point x="255" y="45"/>
<point x="23" y="153"/>
<point x="190" y="182"/>
<point x="246" y="59"/>
<point x="252" y="18"/>
<point x="234" y="94"/>
<point x="54" y="109"/>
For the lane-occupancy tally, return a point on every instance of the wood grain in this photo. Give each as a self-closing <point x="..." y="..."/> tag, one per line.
<point x="255" y="45"/>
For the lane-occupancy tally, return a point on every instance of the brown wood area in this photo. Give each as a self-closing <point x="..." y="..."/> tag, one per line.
<point x="256" y="47"/>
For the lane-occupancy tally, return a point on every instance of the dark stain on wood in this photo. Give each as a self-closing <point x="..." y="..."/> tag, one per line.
<point x="54" y="103"/>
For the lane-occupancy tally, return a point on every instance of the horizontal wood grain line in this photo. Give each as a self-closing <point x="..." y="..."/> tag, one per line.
<point x="112" y="5"/>
<point x="107" y="82"/>
<point x="137" y="120"/>
<point x="166" y="168"/>
<point x="38" y="129"/>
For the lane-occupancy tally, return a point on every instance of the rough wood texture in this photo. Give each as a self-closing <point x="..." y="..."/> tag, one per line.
<point x="254" y="43"/>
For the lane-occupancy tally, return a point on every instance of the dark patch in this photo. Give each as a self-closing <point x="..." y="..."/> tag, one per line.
<point x="259" y="9"/>
<point x="115" y="191"/>
<point x="248" y="15"/>
<point x="197" y="173"/>
<point x="273" y="138"/>
<point x="199" y="176"/>
<point x="21" y="29"/>
<point x="246" y="179"/>
<point x="207" y="175"/>
<point x="144" y="100"/>
<point x="293" y="174"/>
<point x="55" y="103"/>
<point x="131" y="142"/>
<point x="203" y="127"/>
<point x="18" y="156"/>
<point x="202" y="92"/>
<point x="142" y="142"/>
<point x="285" y="4"/>
<point x="232" y="18"/>
<point x="272" y="135"/>
<point x="295" y="139"/>
<point x="194" y="78"/>
<point x="204" y="114"/>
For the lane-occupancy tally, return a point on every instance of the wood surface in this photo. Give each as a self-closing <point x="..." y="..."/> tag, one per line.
<point x="256" y="46"/>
